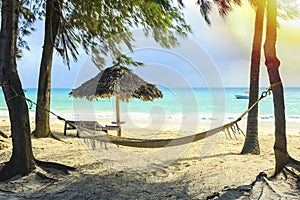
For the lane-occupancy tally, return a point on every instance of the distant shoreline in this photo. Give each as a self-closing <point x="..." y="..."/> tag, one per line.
<point x="230" y="87"/>
<point x="199" y="103"/>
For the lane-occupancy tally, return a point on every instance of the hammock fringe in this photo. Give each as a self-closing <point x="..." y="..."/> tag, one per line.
<point x="155" y="143"/>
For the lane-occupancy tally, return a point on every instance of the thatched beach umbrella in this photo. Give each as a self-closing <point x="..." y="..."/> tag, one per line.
<point x="118" y="81"/>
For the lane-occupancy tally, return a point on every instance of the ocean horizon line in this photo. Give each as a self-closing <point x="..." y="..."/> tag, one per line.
<point x="184" y="100"/>
<point x="191" y="117"/>
<point x="194" y="87"/>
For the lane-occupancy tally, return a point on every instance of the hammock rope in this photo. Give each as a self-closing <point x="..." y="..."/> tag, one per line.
<point x="158" y="143"/>
<point x="155" y="143"/>
<point x="31" y="103"/>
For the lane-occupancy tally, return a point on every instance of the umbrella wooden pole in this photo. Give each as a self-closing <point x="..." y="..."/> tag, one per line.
<point x="118" y="113"/>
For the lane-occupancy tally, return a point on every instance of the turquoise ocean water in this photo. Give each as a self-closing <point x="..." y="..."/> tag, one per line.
<point x="177" y="102"/>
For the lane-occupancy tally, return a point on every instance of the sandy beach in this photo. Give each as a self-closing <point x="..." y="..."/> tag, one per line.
<point x="193" y="171"/>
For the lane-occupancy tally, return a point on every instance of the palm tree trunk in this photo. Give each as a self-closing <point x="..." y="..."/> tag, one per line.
<point x="52" y="23"/>
<point x="251" y="144"/>
<point x="22" y="160"/>
<point x="272" y="63"/>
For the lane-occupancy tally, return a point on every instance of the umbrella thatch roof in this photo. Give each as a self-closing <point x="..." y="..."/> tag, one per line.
<point x="117" y="80"/>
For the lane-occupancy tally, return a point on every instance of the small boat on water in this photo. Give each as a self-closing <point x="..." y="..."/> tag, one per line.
<point x="242" y="96"/>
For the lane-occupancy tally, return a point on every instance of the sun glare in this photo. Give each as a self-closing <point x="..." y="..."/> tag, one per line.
<point x="296" y="21"/>
<point x="241" y="24"/>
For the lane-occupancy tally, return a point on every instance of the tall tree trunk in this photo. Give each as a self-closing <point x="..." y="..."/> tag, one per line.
<point x="272" y="63"/>
<point x="22" y="160"/>
<point x="52" y="23"/>
<point x="251" y="144"/>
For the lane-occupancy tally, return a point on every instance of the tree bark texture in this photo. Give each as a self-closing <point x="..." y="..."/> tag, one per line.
<point x="52" y="23"/>
<point x="251" y="144"/>
<point x="22" y="160"/>
<point x="272" y="63"/>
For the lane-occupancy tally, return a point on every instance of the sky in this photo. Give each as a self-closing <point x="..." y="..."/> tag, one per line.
<point x="212" y="56"/>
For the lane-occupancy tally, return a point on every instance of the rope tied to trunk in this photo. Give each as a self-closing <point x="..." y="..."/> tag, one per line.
<point x="274" y="85"/>
<point x="158" y="143"/>
<point x="30" y="102"/>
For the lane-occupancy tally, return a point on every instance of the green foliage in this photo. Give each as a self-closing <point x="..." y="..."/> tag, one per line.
<point x="102" y="27"/>
<point x="29" y="12"/>
<point x="124" y="60"/>
<point x="205" y="9"/>
<point x="288" y="9"/>
<point x="224" y="7"/>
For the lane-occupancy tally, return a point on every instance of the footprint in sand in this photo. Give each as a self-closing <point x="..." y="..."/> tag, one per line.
<point x="176" y="167"/>
<point x="164" y="171"/>
<point x="160" y="173"/>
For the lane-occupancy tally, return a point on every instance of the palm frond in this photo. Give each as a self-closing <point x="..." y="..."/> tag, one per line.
<point x="205" y="9"/>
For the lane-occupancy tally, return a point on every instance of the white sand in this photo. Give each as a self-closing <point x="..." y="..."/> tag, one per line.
<point x="185" y="172"/>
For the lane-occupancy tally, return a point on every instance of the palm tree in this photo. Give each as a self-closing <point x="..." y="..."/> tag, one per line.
<point x="52" y="25"/>
<point x="22" y="160"/>
<point x="251" y="144"/>
<point x="282" y="158"/>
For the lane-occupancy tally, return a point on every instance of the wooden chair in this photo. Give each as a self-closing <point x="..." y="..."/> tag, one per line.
<point x="91" y="125"/>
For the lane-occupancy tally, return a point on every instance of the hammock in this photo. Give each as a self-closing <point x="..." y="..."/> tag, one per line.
<point x="159" y="143"/>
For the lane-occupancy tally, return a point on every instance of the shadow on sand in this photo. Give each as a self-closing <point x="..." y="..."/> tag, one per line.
<point x="105" y="185"/>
